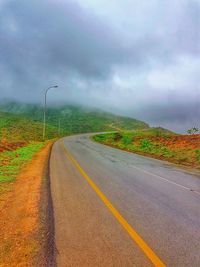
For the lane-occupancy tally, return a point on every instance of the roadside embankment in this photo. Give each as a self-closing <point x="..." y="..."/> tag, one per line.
<point x="157" y="143"/>
<point x="24" y="205"/>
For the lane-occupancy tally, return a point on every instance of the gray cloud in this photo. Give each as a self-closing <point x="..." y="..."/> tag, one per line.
<point x="140" y="58"/>
<point x="55" y="35"/>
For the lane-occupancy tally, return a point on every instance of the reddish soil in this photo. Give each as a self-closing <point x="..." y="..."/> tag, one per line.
<point x="9" y="146"/>
<point x="178" y="141"/>
<point x="20" y="243"/>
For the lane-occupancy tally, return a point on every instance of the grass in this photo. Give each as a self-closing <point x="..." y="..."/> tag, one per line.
<point x="198" y="155"/>
<point x="11" y="162"/>
<point x="19" y="128"/>
<point x="158" y="143"/>
<point x="20" y="139"/>
<point x="74" y="119"/>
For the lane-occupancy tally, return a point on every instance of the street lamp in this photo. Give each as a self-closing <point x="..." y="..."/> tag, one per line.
<point x="45" y="104"/>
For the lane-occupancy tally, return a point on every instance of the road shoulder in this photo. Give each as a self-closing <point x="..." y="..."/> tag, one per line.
<point x="24" y="211"/>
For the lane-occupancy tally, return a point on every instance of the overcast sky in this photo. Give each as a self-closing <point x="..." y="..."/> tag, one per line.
<point x="135" y="57"/>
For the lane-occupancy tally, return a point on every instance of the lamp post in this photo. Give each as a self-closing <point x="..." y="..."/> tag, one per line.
<point x="45" y="105"/>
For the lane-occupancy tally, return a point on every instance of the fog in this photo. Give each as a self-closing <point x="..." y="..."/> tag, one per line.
<point x="132" y="57"/>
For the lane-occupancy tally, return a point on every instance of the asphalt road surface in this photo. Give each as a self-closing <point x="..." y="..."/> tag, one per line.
<point x="114" y="208"/>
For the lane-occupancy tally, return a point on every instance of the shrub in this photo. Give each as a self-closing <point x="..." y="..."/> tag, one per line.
<point x="145" y="144"/>
<point x="127" y="140"/>
<point x="192" y="130"/>
<point x="198" y="155"/>
<point x="117" y="137"/>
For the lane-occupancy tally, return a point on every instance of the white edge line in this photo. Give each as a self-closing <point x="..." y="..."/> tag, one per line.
<point x="166" y="180"/>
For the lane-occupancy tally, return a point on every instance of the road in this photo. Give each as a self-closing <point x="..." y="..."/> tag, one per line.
<point x="114" y="208"/>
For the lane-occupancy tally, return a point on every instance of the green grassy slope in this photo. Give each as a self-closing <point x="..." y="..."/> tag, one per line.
<point x="18" y="128"/>
<point x="20" y="139"/>
<point x="74" y="119"/>
<point x="11" y="162"/>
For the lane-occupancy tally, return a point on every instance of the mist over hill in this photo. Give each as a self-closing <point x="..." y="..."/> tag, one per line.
<point x="68" y="119"/>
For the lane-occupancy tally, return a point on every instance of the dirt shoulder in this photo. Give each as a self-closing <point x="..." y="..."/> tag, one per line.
<point x="24" y="210"/>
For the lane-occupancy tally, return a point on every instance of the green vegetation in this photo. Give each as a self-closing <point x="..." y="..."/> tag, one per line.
<point x="156" y="142"/>
<point x="74" y="119"/>
<point x="198" y="155"/>
<point x="193" y="130"/>
<point x="17" y="128"/>
<point x="20" y="139"/>
<point x="11" y="162"/>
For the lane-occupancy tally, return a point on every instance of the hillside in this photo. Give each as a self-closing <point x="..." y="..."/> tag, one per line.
<point x="74" y="119"/>
<point x="15" y="128"/>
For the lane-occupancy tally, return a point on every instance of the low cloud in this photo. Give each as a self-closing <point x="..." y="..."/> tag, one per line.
<point x="139" y="58"/>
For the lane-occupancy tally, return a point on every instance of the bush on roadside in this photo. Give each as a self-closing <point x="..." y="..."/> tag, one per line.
<point x="198" y="155"/>
<point x="127" y="140"/>
<point x="146" y="144"/>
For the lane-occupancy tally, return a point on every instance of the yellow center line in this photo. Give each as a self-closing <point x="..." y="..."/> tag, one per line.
<point x="133" y="234"/>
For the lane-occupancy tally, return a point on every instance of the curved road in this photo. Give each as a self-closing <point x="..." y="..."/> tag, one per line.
<point x="114" y="208"/>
